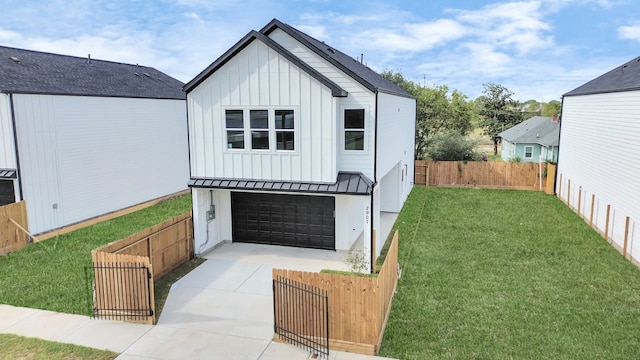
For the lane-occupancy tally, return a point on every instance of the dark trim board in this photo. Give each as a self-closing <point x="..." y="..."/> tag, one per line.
<point x="276" y="219"/>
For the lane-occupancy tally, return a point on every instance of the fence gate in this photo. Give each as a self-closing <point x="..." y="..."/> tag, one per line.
<point x="123" y="291"/>
<point x="301" y="315"/>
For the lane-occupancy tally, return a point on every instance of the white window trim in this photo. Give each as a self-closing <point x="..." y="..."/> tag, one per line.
<point x="367" y="130"/>
<point x="524" y="152"/>
<point x="273" y="144"/>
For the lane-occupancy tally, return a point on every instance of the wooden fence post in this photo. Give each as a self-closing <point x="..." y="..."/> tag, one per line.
<point x="579" y="200"/>
<point x="606" y="226"/>
<point x="593" y="201"/>
<point x="569" y="193"/>
<point x="560" y="187"/>
<point x="626" y="237"/>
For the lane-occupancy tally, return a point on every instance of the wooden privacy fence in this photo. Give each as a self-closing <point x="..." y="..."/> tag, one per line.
<point x="358" y="306"/>
<point x="481" y="174"/>
<point x="160" y="248"/>
<point x="13" y="227"/>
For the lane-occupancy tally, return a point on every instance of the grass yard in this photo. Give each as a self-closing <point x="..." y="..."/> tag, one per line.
<point x="17" y="347"/>
<point x="497" y="274"/>
<point x="50" y="275"/>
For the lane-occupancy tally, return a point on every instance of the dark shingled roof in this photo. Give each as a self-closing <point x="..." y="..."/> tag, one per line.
<point x="34" y="72"/>
<point x="536" y="130"/>
<point x="350" y="66"/>
<point x="349" y="183"/>
<point x="625" y="77"/>
<point x="243" y="43"/>
<point x="360" y="72"/>
<point x="8" y="174"/>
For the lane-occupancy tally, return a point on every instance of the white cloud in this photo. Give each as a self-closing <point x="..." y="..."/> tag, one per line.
<point x="518" y="25"/>
<point x="630" y="32"/>
<point x="412" y="38"/>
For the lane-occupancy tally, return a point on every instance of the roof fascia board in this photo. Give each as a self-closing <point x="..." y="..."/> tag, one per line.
<point x="269" y="28"/>
<point x="336" y="90"/>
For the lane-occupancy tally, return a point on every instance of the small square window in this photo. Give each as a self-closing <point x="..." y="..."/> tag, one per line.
<point x="259" y="119"/>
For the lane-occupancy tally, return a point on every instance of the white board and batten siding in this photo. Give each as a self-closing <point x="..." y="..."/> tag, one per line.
<point x="359" y="98"/>
<point x="600" y="155"/>
<point x="83" y="157"/>
<point x="259" y="78"/>
<point x="7" y="146"/>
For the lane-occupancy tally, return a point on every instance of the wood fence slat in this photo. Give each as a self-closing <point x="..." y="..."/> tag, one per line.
<point x="13" y="227"/>
<point x="358" y="306"/>
<point x="499" y="175"/>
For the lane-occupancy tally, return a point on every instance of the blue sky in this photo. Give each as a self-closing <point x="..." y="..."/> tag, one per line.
<point x="538" y="49"/>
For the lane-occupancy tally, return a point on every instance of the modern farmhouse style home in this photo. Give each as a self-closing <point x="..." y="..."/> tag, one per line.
<point x="293" y="142"/>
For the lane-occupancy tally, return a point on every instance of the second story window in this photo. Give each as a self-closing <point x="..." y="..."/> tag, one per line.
<point x="285" y="129"/>
<point x="235" y="129"/>
<point x="263" y="129"/>
<point x="354" y="129"/>
<point x="259" y="120"/>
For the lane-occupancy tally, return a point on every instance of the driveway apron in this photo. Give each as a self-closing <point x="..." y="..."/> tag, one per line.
<point x="224" y="308"/>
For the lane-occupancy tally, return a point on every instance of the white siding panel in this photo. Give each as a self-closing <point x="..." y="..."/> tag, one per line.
<point x="600" y="154"/>
<point x="39" y="169"/>
<point x="259" y="77"/>
<point x="7" y="145"/>
<point x="90" y="155"/>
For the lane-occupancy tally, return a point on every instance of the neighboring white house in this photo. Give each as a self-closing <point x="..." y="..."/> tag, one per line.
<point x="81" y="137"/>
<point x="293" y="142"/>
<point x="533" y="140"/>
<point x="600" y="152"/>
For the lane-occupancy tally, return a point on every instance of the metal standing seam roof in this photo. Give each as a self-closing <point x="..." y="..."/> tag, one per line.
<point x="625" y="77"/>
<point x="34" y="72"/>
<point x="8" y="174"/>
<point x="348" y="183"/>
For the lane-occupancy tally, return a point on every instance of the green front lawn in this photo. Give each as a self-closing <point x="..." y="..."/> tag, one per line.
<point x="498" y="274"/>
<point x="17" y="347"/>
<point x="50" y="275"/>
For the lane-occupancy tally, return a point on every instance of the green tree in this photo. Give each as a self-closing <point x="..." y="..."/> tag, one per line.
<point x="450" y="145"/>
<point x="498" y="111"/>
<point x="553" y="107"/>
<point x="437" y="110"/>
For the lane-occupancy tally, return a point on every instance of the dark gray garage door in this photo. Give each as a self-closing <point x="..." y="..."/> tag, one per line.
<point x="293" y="220"/>
<point x="7" y="195"/>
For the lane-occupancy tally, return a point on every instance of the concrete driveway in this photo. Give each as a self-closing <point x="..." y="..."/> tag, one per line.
<point x="224" y="310"/>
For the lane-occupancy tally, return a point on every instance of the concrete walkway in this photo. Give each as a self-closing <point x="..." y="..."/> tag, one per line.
<point x="221" y="310"/>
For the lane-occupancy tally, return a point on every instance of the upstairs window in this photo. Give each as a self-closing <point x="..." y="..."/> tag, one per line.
<point x="354" y="129"/>
<point x="285" y="129"/>
<point x="264" y="129"/>
<point x="235" y="129"/>
<point x="259" y="120"/>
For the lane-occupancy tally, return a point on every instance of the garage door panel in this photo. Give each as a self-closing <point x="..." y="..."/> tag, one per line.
<point x="294" y="220"/>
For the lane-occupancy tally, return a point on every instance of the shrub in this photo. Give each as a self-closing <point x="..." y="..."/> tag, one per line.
<point x="515" y="159"/>
<point x="452" y="146"/>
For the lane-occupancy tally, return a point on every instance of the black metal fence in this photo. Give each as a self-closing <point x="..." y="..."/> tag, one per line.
<point x="301" y="315"/>
<point x="121" y="291"/>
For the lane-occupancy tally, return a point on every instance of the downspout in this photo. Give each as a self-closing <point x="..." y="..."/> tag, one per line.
<point x="375" y="181"/>
<point x="15" y="144"/>
<point x="555" y="176"/>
